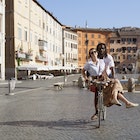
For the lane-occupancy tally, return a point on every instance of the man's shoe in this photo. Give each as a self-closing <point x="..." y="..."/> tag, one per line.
<point x="129" y="105"/>
<point x="94" y="117"/>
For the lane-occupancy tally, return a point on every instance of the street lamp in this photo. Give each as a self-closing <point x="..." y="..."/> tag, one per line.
<point x="86" y="43"/>
<point x="62" y="57"/>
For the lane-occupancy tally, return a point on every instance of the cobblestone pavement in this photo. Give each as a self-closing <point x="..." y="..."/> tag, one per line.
<point x="39" y="112"/>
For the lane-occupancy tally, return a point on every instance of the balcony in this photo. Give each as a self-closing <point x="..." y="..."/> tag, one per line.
<point x="41" y="58"/>
<point x="43" y="48"/>
<point x="42" y="45"/>
<point x="29" y="57"/>
<point x="24" y="56"/>
<point x="21" y="55"/>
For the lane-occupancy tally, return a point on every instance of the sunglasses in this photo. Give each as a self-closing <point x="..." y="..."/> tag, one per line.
<point x="93" y="52"/>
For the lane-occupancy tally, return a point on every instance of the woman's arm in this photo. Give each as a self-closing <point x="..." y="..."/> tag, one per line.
<point x="84" y="74"/>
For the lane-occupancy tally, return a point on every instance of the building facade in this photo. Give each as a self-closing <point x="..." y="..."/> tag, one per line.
<point x="124" y="43"/>
<point x="33" y="36"/>
<point x="2" y="39"/>
<point x="70" y="48"/>
<point x="89" y="38"/>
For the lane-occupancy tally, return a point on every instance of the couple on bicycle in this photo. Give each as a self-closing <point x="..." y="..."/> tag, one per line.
<point x="101" y="66"/>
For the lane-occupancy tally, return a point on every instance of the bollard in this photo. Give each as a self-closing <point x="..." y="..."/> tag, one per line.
<point x="81" y="82"/>
<point x="65" y="78"/>
<point x="34" y="77"/>
<point x="11" y="86"/>
<point x="124" y="77"/>
<point x="131" y="85"/>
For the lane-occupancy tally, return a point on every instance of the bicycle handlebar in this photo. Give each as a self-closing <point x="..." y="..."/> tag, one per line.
<point x="100" y="82"/>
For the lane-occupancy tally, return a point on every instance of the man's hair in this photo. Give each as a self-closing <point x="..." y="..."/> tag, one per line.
<point x="98" y="48"/>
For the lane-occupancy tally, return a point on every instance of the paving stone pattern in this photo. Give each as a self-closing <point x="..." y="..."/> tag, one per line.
<point x="38" y="112"/>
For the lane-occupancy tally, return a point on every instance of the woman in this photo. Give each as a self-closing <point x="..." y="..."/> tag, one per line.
<point x="96" y="69"/>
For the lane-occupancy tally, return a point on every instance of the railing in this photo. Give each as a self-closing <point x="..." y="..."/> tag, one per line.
<point x="41" y="58"/>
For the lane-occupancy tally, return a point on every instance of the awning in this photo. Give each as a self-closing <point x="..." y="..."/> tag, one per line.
<point x="67" y="68"/>
<point x="33" y="67"/>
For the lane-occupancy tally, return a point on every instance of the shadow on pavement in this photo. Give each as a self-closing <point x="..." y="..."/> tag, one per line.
<point x="58" y="125"/>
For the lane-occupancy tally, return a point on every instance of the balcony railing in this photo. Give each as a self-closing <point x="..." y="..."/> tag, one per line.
<point x="24" y="56"/>
<point x="42" y="45"/>
<point x="21" y="55"/>
<point x="29" y="56"/>
<point x="43" y="48"/>
<point x="41" y="58"/>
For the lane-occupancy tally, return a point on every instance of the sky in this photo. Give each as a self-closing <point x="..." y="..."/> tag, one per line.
<point x="97" y="13"/>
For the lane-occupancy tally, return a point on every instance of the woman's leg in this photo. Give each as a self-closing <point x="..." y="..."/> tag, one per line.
<point x="128" y="103"/>
<point x="115" y="98"/>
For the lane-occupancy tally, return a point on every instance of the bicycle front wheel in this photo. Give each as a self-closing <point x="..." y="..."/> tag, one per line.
<point x="99" y="108"/>
<point x="104" y="113"/>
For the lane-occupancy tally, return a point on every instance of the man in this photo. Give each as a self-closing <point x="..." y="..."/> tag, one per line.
<point x="108" y="59"/>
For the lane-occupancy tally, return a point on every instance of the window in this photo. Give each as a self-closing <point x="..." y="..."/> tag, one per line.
<point x="19" y="33"/>
<point x="111" y="41"/>
<point x="92" y="35"/>
<point x="36" y="41"/>
<point x="119" y="49"/>
<point x="134" y="40"/>
<point x="0" y="22"/>
<point x="119" y="57"/>
<point x="123" y="40"/>
<point x="25" y="35"/>
<point x="129" y="57"/>
<point x="134" y="49"/>
<point x="30" y="36"/>
<point x="86" y="35"/>
<point x="111" y="50"/>
<point x="43" y="25"/>
<point x="0" y="48"/>
<point x="92" y="43"/>
<point x="26" y="1"/>
<point x="129" y="49"/>
<point x="118" y="41"/>
<point x="128" y="40"/>
<point x="79" y="34"/>
<point x="79" y="50"/>
<point x="123" y="49"/>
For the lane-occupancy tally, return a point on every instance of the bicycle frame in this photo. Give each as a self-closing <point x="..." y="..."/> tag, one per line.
<point x="101" y="107"/>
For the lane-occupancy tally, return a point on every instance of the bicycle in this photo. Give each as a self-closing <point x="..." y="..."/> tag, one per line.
<point x="101" y="107"/>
